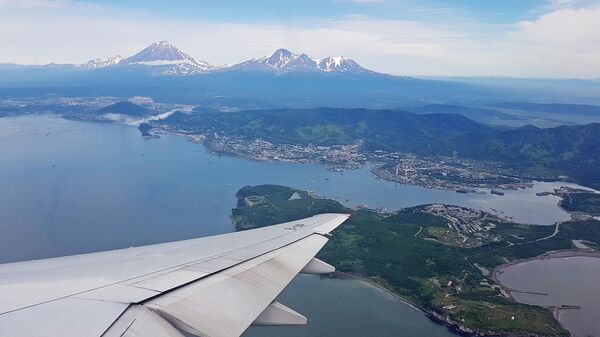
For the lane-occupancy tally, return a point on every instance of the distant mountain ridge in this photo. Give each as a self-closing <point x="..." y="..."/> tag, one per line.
<point x="282" y="60"/>
<point x="558" y="108"/>
<point x="163" y="58"/>
<point x="100" y="63"/>
<point x="168" y="59"/>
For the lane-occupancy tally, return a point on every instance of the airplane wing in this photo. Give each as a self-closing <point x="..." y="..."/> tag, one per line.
<point x="214" y="286"/>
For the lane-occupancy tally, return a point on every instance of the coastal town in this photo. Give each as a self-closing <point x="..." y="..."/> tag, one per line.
<point x="460" y="175"/>
<point x="447" y="173"/>
<point x="467" y="227"/>
<point x="336" y="158"/>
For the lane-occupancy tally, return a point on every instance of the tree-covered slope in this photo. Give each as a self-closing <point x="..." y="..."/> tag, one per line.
<point x="573" y="151"/>
<point x="392" y="130"/>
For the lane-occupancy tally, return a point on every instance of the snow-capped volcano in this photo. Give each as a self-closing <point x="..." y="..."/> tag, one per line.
<point x="282" y="60"/>
<point x="171" y="60"/>
<point x="161" y="51"/>
<point x="340" y="64"/>
<point x="162" y="58"/>
<point x="100" y="63"/>
<point x="302" y="63"/>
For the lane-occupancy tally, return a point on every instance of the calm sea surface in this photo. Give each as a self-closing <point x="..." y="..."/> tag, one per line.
<point x="72" y="187"/>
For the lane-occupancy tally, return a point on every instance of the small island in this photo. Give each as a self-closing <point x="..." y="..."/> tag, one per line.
<point x="440" y="258"/>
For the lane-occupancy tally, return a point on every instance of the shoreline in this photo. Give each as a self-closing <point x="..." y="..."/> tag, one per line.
<point x="432" y="315"/>
<point x="555" y="254"/>
<point x="454" y="326"/>
<point x="373" y="162"/>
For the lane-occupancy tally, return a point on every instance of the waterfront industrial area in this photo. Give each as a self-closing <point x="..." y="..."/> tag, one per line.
<point x="447" y="173"/>
<point x="460" y="175"/>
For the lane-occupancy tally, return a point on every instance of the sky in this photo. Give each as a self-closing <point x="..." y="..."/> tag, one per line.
<point x="516" y="38"/>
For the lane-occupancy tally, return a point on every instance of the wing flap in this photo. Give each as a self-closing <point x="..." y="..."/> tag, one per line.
<point x="278" y="314"/>
<point x="225" y="304"/>
<point x="139" y="321"/>
<point x="170" y="280"/>
<point x="213" y="286"/>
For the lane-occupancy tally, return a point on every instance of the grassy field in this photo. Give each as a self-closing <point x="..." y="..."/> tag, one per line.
<point x="266" y="205"/>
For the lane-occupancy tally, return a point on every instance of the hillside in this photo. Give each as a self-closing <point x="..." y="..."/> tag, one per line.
<point x="573" y="151"/>
<point x="265" y="205"/>
<point x="392" y="130"/>
<point x="582" y="202"/>
<point x="125" y="108"/>
<point x="481" y="115"/>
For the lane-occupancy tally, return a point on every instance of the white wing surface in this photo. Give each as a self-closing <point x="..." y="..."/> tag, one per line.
<point x="215" y="286"/>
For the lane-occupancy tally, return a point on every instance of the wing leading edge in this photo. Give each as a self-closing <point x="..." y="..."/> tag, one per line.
<point x="215" y="286"/>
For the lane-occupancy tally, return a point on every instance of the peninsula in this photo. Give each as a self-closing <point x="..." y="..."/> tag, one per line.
<point x="438" y="257"/>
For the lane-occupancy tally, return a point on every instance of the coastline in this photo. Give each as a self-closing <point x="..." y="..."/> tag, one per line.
<point x="555" y="254"/>
<point x="434" y="316"/>
<point x="455" y="326"/>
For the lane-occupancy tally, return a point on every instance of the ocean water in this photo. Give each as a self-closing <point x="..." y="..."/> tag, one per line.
<point x="74" y="187"/>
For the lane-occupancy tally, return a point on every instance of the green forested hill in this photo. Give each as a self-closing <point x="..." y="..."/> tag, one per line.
<point x="392" y="130"/>
<point x="572" y="151"/>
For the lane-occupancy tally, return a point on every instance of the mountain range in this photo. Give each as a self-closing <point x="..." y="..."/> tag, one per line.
<point x="283" y="60"/>
<point x="283" y="79"/>
<point x="165" y="59"/>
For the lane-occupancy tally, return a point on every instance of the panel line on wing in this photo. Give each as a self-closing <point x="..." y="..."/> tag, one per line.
<point x="322" y="221"/>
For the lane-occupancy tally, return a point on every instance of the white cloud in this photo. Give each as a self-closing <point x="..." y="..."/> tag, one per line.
<point x="563" y="42"/>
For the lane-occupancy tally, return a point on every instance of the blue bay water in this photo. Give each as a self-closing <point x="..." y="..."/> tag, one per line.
<point x="69" y="187"/>
<point x="73" y="187"/>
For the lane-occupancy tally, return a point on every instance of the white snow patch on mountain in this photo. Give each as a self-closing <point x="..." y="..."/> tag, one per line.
<point x="100" y="63"/>
<point x="284" y="61"/>
<point x="174" y="61"/>
<point x="162" y="58"/>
